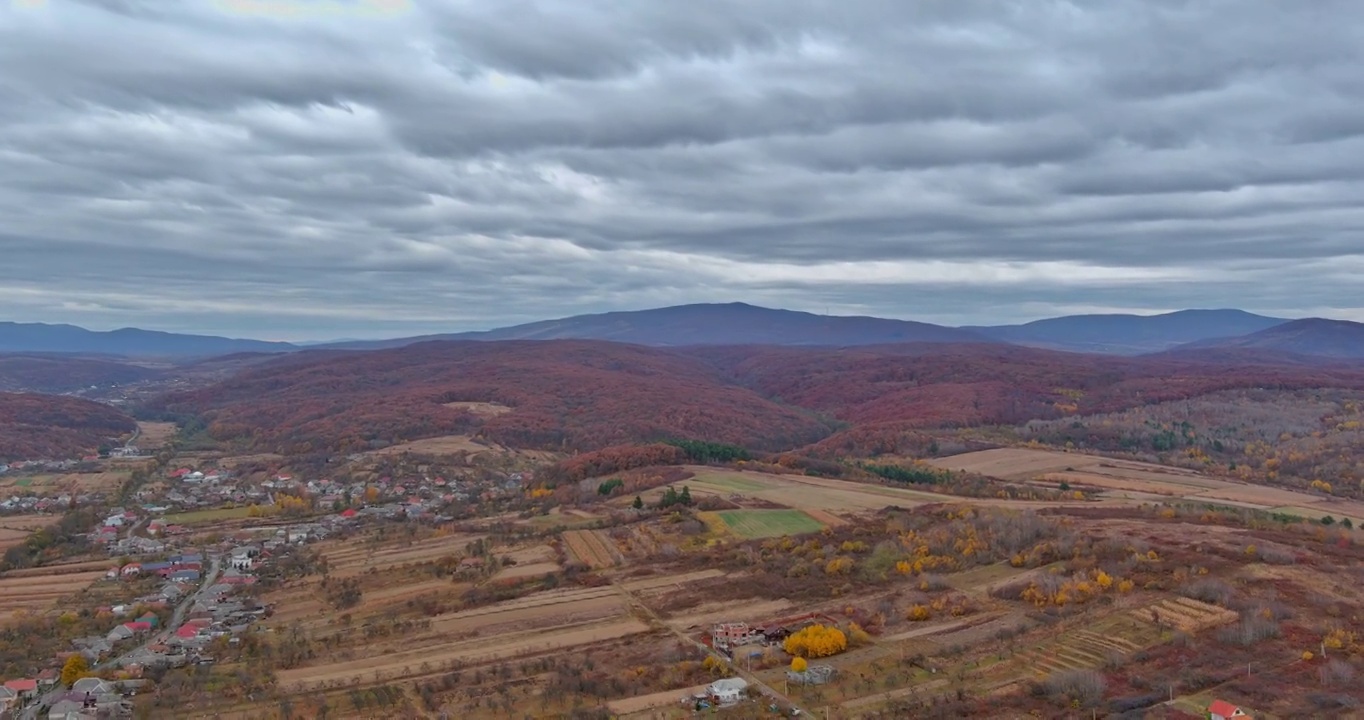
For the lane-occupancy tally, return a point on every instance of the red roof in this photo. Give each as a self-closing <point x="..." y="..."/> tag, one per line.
<point x="349" y="513"/>
<point x="138" y="626"/>
<point x="187" y="631"/>
<point x="23" y="685"/>
<point x="1223" y="708"/>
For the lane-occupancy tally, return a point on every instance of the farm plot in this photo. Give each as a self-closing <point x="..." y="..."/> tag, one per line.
<point x="749" y="524"/>
<point x="1087" y="647"/>
<point x="39" y="591"/>
<point x="409" y="660"/>
<point x="592" y="549"/>
<point x="1186" y="614"/>
<point x="152" y="435"/>
<point x="356" y="556"/>
<point x="811" y="493"/>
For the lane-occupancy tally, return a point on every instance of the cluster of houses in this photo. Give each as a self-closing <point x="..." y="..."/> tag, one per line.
<point x="87" y="699"/>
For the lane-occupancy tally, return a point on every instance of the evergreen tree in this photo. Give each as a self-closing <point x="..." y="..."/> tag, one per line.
<point x="638" y="504"/>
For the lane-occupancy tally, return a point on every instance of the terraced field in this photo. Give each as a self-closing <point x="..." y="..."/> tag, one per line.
<point x="1186" y="614"/>
<point x="592" y="549"/>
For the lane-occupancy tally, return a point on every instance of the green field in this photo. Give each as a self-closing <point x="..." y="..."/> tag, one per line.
<point x="203" y="516"/>
<point x="768" y="523"/>
<point x="735" y="483"/>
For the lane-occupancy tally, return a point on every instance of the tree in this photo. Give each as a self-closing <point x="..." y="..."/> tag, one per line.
<point x="74" y="669"/>
<point x="816" y="641"/>
<point x="1328" y="520"/>
<point x="685" y="497"/>
<point x="638" y="504"/>
<point x="1347" y="523"/>
<point x="799" y="664"/>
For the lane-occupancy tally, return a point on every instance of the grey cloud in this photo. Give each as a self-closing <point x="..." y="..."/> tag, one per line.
<point x="463" y="165"/>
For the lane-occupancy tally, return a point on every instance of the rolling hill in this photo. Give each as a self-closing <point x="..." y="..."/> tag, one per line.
<point x="34" y="426"/>
<point x="1336" y="339"/>
<point x="43" y="338"/>
<point x="1129" y="334"/>
<point x="46" y="373"/>
<point x="583" y="395"/>
<point x="561" y="394"/>
<point x="710" y="324"/>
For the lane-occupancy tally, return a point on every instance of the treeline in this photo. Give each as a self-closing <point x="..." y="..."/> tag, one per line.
<point x="701" y="451"/>
<point x="914" y="475"/>
<point x="55" y="427"/>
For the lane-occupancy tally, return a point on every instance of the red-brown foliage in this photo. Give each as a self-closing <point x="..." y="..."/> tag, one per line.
<point x="56" y="373"/>
<point x="563" y="394"/>
<point x="612" y="460"/>
<point x="34" y="427"/>
<point x="886" y="391"/>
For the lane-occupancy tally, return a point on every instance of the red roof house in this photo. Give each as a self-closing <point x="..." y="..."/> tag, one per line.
<point x="1223" y="710"/>
<point x="349" y="513"/>
<point x="23" y="685"/>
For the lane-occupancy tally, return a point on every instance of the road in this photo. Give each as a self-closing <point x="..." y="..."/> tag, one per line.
<point x="639" y="607"/>
<point x="177" y="619"/>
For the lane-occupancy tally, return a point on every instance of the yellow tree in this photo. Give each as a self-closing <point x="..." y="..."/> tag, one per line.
<point x="799" y="664"/>
<point x="74" y="669"/>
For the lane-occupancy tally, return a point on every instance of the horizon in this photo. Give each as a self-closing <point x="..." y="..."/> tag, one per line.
<point x="412" y="168"/>
<point x="391" y="336"/>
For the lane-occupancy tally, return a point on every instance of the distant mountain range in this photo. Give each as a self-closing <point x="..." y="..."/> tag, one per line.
<point x="1130" y="334"/>
<point x="1312" y="336"/>
<point x="43" y="338"/>
<point x="744" y="324"/>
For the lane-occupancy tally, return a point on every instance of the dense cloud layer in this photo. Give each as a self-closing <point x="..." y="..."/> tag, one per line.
<point x="316" y="168"/>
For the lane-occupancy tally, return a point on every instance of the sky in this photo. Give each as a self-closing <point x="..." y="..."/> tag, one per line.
<point x="317" y="169"/>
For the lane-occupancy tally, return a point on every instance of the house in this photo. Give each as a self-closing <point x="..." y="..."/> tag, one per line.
<point x="49" y="677"/>
<point x="727" y="635"/>
<point x="184" y="576"/>
<point x="131" y="568"/>
<point x="727" y="691"/>
<point x="150" y="619"/>
<point x="122" y="632"/>
<point x="93" y="685"/>
<point x="1223" y="710"/>
<point x="7" y="698"/>
<point x="23" y="688"/>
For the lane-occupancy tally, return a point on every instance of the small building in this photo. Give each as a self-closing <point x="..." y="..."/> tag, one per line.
<point x="727" y="691"/>
<point x="728" y="635"/>
<point x="22" y="688"/>
<point x="1223" y="710"/>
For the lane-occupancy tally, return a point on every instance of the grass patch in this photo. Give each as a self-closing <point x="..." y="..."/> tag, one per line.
<point x="750" y="524"/>
<point x="735" y="483"/>
<point x="203" y="516"/>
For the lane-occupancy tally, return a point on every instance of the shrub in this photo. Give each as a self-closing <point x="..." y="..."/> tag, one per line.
<point x="1085" y="687"/>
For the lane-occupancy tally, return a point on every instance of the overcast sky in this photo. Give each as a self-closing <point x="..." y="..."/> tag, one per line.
<point x="308" y="169"/>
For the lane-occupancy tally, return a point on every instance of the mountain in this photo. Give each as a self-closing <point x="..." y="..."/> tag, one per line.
<point x="557" y="394"/>
<point x="1129" y="334"/>
<point x="65" y="373"/>
<point x="54" y="427"/>
<point x="709" y="324"/>
<point x="43" y="338"/>
<point x="1337" y="339"/>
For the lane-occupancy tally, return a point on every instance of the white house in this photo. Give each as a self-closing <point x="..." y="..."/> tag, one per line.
<point x="727" y="691"/>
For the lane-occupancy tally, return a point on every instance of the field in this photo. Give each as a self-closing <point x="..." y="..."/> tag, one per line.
<point x="353" y="557"/>
<point x="1130" y="480"/>
<point x="36" y="590"/>
<point x="750" y="524"/>
<point x="1186" y="614"/>
<point x="481" y="409"/>
<point x="67" y="482"/>
<point x="153" y="435"/>
<point x="807" y="493"/>
<point x="592" y="548"/>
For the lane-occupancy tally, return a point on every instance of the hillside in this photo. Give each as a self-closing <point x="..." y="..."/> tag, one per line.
<point x="557" y="394"/>
<point x="888" y="393"/>
<point x="64" y="373"/>
<point x="1340" y="339"/>
<point x="1129" y="334"/>
<point x="43" y="338"/>
<point x="711" y="324"/>
<point x="34" y="426"/>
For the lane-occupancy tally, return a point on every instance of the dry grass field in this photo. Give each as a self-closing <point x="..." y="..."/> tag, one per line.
<point x="592" y="548"/>
<point x="36" y="590"/>
<point x="155" y="434"/>
<point x="346" y="558"/>
<point x="481" y="409"/>
<point x="1129" y="480"/>
<point x="106" y="481"/>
